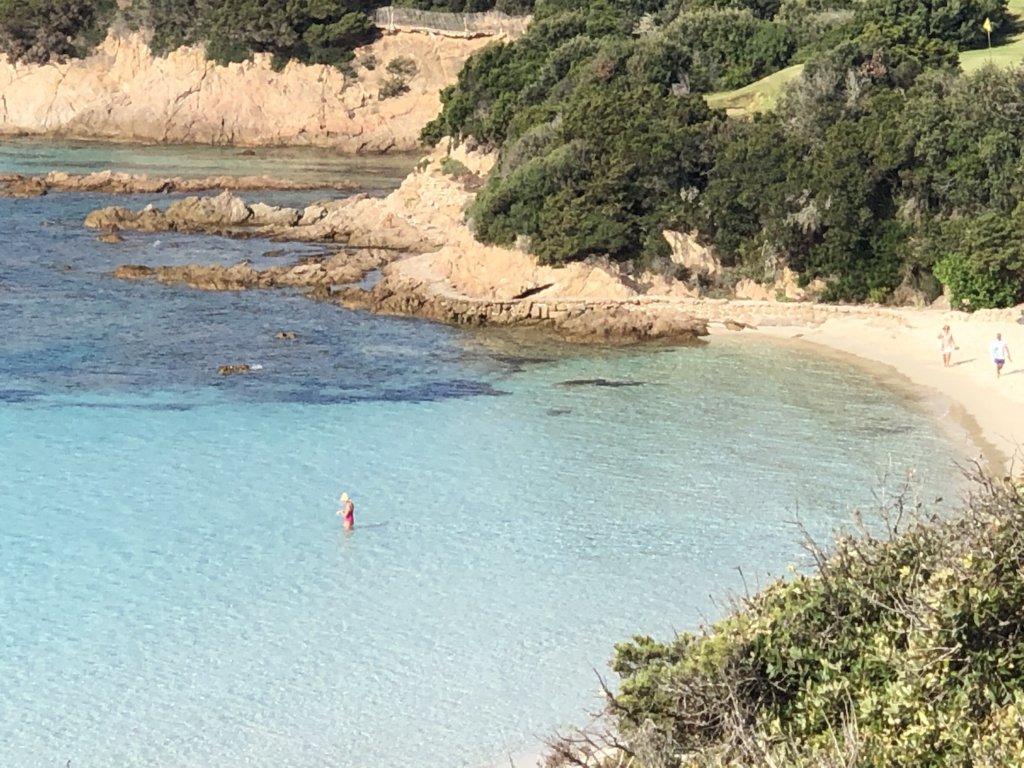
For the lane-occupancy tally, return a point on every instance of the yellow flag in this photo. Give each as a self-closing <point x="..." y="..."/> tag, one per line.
<point x="987" y="26"/>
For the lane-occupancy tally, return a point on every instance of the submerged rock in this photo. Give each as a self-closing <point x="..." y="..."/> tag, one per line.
<point x="317" y="273"/>
<point x="235" y="368"/>
<point x="736" y="325"/>
<point x="111" y="182"/>
<point x="16" y="185"/>
<point x="599" y="383"/>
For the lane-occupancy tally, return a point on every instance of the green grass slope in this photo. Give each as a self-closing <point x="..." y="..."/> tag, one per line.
<point x="759" y="96"/>
<point x="1010" y="54"/>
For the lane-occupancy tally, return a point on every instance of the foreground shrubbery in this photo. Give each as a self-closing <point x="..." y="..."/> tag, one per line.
<point x="905" y="649"/>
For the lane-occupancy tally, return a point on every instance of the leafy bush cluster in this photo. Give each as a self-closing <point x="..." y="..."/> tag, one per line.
<point x="873" y="181"/>
<point x="400" y="70"/>
<point x="876" y="165"/>
<point x="310" y="31"/>
<point x="35" y="31"/>
<point x="904" y="649"/>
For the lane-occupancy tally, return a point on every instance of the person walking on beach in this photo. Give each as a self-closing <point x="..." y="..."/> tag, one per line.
<point x="1000" y="354"/>
<point x="347" y="513"/>
<point x="947" y="345"/>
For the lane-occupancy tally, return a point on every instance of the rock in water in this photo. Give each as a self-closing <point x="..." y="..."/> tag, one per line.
<point x="230" y="370"/>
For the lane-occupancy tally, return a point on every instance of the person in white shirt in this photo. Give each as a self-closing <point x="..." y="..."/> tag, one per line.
<point x="946" y="345"/>
<point x="1000" y="353"/>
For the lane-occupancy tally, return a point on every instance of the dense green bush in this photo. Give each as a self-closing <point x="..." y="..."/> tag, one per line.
<point x="600" y="181"/>
<point x="904" y="649"/>
<point x="730" y="47"/>
<point x="174" y="23"/>
<point x="37" y="31"/>
<point x="309" y="31"/>
<point x="955" y="21"/>
<point x="866" y="182"/>
<point x="983" y="260"/>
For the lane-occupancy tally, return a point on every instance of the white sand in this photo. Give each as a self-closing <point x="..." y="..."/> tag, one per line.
<point x="990" y="409"/>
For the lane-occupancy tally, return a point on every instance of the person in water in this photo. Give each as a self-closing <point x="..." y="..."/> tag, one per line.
<point x="946" y="344"/>
<point x="347" y="513"/>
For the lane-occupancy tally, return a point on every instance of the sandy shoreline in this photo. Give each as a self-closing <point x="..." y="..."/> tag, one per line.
<point x="967" y="397"/>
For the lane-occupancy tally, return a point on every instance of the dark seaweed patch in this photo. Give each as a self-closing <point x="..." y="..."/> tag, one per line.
<point x="17" y="395"/>
<point x="442" y="390"/>
<point x="599" y="383"/>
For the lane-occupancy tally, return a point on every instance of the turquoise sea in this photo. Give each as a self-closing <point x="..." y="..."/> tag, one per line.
<point x="174" y="586"/>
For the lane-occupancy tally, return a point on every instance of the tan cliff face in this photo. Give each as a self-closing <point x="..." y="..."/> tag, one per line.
<point x="123" y="93"/>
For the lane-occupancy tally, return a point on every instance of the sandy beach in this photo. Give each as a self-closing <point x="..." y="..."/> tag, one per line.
<point x="971" y="398"/>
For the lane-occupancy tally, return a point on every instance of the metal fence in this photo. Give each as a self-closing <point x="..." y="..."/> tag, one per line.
<point x="393" y="19"/>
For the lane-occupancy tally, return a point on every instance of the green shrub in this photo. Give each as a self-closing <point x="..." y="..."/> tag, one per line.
<point x="982" y="281"/>
<point x="730" y="47"/>
<point x="401" y="69"/>
<point x="981" y="259"/>
<point x="904" y="649"/>
<point x="36" y="31"/>
<point x="391" y="87"/>
<point x="511" y="7"/>
<point x="402" y="66"/>
<point x="452" y="167"/>
<point x="308" y="31"/>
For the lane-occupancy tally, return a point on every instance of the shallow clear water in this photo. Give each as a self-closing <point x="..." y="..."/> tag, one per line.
<point x="308" y="165"/>
<point x="174" y="586"/>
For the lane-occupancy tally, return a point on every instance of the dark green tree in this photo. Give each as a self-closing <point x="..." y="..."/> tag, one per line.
<point x="37" y="31"/>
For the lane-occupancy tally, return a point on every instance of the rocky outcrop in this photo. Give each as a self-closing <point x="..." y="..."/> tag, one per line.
<point x="123" y="93"/>
<point x="320" y="275"/>
<point x="785" y="288"/>
<point x="424" y="214"/>
<point x="15" y="185"/>
<point x="603" y="321"/>
<point x="449" y="278"/>
<point x="221" y="214"/>
<point x="233" y="369"/>
<point x="695" y="259"/>
<point x="18" y="185"/>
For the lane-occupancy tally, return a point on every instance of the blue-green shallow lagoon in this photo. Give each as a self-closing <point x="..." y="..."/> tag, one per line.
<point x="307" y="165"/>
<point x="174" y="586"/>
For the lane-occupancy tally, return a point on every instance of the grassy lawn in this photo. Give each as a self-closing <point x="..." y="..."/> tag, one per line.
<point x="1009" y="54"/>
<point x="759" y="96"/>
<point x="762" y="95"/>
